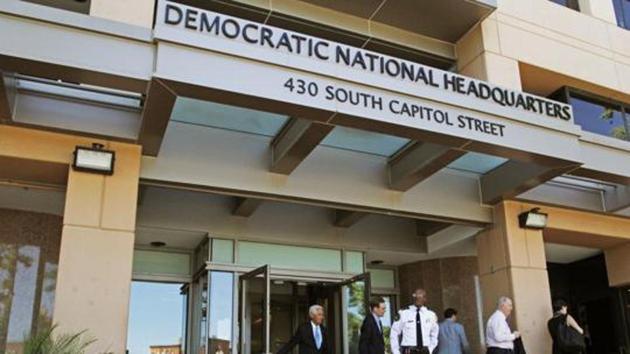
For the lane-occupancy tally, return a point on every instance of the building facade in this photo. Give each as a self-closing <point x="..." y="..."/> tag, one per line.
<point x="190" y="175"/>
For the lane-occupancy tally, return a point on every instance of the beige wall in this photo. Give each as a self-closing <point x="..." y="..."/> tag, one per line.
<point x="582" y="48"/>
<point x="511" y="261"/>
<point x="618" y="265"/>
<point x="97" y="242"/>
<point x="94" y="273"/>
<point x="135" y="12"/>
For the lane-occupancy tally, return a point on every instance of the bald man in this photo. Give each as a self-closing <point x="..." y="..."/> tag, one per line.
<point x="416" y="331"/>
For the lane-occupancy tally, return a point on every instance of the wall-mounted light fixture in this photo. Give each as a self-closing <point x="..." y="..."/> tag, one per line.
<point x="533" y="219"/>
<point x="94" y="159"/>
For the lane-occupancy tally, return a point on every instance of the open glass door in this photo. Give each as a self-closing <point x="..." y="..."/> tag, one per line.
<point x="254" y="311"/>
<point x="354" y="296"/>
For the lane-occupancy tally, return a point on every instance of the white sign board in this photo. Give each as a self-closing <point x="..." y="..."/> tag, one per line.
<point x="254" y="59"/>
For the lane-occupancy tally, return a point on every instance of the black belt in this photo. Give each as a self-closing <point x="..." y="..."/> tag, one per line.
<point x="495" y="350"/>
<point x="415" y="350"/>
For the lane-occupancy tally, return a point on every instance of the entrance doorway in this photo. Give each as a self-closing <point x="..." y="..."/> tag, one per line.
<point x="272" y="307"/>
<point x="597" y="307"/>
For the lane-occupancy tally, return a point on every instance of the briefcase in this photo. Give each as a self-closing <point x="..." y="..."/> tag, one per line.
<point x="519" y="348"/>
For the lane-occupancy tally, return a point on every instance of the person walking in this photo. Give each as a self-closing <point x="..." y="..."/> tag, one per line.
<point x="311" y="337"/>
<point x="561" y="317"/>
<point x="371" y="340"/>
<point x="499" y="337"/>
<point x="417" y="326"/>
<point x="452" y="337"/>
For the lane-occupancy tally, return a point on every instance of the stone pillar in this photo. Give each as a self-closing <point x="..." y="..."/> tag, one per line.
<point x="602" y="9"/>
<point x="94" y="274"/>
<point x="479" y="56"/>
<point x="617" y="265"/>
<point x="512" y="263"/>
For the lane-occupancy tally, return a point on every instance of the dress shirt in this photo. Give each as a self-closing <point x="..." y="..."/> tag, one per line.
<point x="406" y="325"/>
<point x="498" y="333"/>
<point x="317" y="331"/>
<point x="378" y="323"/>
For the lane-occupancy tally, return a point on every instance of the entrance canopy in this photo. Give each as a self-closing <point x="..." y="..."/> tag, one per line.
<point x="313" y="92"/>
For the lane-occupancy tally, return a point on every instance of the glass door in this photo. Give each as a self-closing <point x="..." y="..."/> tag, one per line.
<point x="354" y="294"/>
<point x="355" y="302"/>
<point x="254" y="311"/>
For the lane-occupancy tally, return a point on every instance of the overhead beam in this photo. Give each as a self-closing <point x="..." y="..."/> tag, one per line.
<point x="158" y="106"/>
<point x="516" y="177"/>
<point x="246" y="207"/>
<point x="295" y="142"/>
<point x="8" y="93"/>
<point x="418" y="161"/>
<point x="347" y="218"/>
<point x="616" y="198"/>
<point x="426" y="228"/>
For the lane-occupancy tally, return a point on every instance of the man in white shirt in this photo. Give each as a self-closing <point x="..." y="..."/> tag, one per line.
<point x="499" y="336"/>
<point x="418" y="327"/>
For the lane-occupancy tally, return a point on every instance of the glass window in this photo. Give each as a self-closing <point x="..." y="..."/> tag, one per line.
<point x="29" y="255"/>
<point x="220" y="312"/>
<point x="355" y="306"/>
<point x="81" y="6"/>
<point x="155" y="318"/>
<point x="388" y="319"/>
<point x="160" y="263"/>
<point x="572" y="4"/>
<point x="199" y="314"/>
<point x="364" y="141"/>
<point x="622" y="11"/>
<point x="289" y="257"/>
<point x="354" y="262"/>
<point x="599" y="117"/>
<point x="221" y="116"/>
<point x="382" y="278"/>
<point x="222" y="251"/>
<point x="477" y="163"/>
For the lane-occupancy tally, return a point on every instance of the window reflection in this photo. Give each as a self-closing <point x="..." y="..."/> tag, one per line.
<point x="387" y="319"/>
<point x="29" y="253"/>
<point x="622" y="12"/>
<point x="599" y="118"/>
<point x="356" y="311"/>
<point x="155" y="318"/>
<point x="572" y="4"/>
<point x="220" y="312"/>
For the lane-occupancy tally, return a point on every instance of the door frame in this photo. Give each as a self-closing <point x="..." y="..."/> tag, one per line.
<point x="345" y="335"/>
<point x="332" y="279"/>
<point x="265" y="271"/>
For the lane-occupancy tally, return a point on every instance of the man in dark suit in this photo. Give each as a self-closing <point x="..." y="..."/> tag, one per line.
<point x="311" y="337"/>
<point x="371" y="340"/>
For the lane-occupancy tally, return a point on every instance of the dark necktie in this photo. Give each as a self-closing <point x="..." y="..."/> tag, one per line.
<point x="419" y="329"/>
<point x="380" y="326"/>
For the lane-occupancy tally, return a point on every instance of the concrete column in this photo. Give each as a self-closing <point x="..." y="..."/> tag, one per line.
<point x="479" y="56"/>
<point x="617" y="265"/>
<point x="512" y="263"/>
<point x="602" y="9"/>
<point x="136" y="12"/>
<point x="94" y="274"/>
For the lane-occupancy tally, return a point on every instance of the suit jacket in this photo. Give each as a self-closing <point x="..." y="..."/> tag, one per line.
<point x="306" y="340"/>
<point x="371" y="340"/>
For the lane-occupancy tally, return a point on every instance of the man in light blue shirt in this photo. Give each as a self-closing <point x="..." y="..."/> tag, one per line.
<point x="452" y="338"/>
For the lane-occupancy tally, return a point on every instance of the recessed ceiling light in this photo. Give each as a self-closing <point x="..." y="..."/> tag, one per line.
<point x="157" y="244"/>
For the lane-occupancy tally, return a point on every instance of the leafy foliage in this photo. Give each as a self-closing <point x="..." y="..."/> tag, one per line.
<point x="47" y="342"/>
